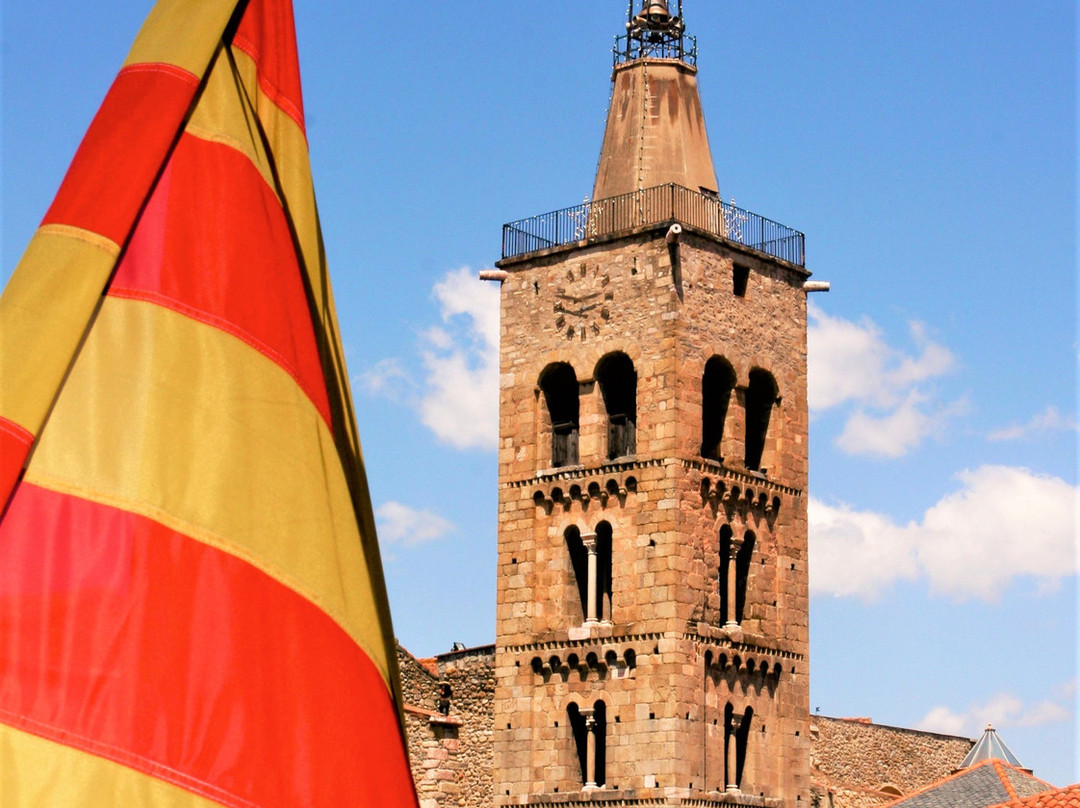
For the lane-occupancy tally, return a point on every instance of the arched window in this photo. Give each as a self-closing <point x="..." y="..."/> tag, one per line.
<point x="742" y="573"/>
<point x="716" y="386"/>
<point x="761" y="397"/>
<point x="590" y="560"/>
<point x="578" y="731"/>
<point x="560" y="387"/>
<point x="603" y="572"/>
<point x="600" y="729"/>
<point x="735" y="557"/>
<point x="736" y="739"/>
<point x="726" y="614"/>
<point x="618" y="386"/>
<point x="579" y="566"/>
<point x="589" y="729"/>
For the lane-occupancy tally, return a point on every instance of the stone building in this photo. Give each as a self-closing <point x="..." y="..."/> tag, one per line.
<point x="652" y="594"/>
<point x="449" y="722"/>
<point x="855" y="763"/>
<point x="651" y="625"/>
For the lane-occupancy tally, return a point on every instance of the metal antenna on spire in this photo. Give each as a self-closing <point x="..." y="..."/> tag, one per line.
<point x="655" y="33"/>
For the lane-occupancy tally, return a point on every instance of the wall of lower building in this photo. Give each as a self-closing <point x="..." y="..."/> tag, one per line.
<point x="471" y="677"/>
<point x="449" y="721"/>
<point x="858" y="764"/>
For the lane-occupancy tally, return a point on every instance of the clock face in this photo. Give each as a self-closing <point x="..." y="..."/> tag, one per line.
<point x="583" y="301"/>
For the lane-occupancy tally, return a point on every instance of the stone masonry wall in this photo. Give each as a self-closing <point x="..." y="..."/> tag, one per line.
<point x="662" y="665"/>
<point x="432" y="739"/>
<point x="448" y="721"/>
<point x="471" y="677"/>
<point x="857" y="764"/>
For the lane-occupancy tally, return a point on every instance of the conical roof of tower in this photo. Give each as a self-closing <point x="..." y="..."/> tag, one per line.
<point x="655" y="132"/>
<point x="990" y="747"/>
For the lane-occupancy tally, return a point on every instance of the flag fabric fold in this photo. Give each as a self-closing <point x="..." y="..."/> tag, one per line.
<point x="192" y="608"/>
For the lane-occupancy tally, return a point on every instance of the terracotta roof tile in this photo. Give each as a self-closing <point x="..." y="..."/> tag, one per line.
<point x="1068" y="797"/>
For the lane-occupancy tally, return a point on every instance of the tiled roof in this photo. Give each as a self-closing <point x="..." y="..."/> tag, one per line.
<point x="991" y="782"/>
<point x="1068" y="797"/>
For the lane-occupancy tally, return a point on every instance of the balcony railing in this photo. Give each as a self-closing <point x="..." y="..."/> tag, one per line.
<point x="654" y="206"/>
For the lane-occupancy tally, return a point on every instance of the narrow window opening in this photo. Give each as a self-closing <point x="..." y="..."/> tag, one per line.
<point x="717" y="385"/>
<point x="600" y="719"/>
<point x="603" y="572"/>
<point x="726" y="615"/>
<point x="739" y="276"/>
<point x="618" y="387"/>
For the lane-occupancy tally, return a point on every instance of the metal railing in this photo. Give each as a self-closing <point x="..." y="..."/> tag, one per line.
<point x="630" y="47"/>
<point x="664" y="203"/>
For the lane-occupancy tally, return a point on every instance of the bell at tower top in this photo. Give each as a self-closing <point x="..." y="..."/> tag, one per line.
<point x="654" y="32"/>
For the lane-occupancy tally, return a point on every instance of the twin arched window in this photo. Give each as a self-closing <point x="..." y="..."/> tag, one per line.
<point x="735" y="556"/>
<point x="590" y="559"/>
<point x="589" y="727"/>
<point x="736" y="739"/>
<point x="617" y="379"/>
<point x="718" y="383"/>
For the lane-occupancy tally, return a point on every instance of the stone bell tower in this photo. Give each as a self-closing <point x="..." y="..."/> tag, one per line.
<point x="652" y="630"/>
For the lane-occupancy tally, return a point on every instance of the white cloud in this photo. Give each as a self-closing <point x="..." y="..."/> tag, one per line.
<point x="895" y="433"/>
<point x="458" y="396"/>
<point x="461" y="399"/>
<point x="1050" y="420"/>
<point x="400" y="524"/>
<point x="387" y="378"/>
<point x="1002" y="524"/>
<point x="856" y="552"/>
<point x="1001" y="710"/>
<point x="851" y="364"/>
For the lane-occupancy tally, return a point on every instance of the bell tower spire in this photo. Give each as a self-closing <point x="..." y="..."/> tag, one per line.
<point x="655" y="131"/>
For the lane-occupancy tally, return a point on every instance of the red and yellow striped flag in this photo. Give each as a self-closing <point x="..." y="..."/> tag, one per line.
<point x="192" y="608"/>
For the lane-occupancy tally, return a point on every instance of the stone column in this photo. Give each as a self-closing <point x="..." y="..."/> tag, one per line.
<point x="589" y="540"/>
<point x="733" y="755"/>
<point x="732" y="588"/>
<point x="590" y="749"/>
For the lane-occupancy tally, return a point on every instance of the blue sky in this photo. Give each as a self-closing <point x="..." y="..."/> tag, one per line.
<point x="927" y="150"/>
